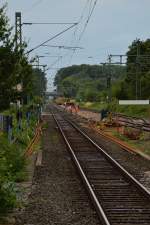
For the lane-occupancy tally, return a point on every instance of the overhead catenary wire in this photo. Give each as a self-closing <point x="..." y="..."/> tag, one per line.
<point x="87" y="6"/>
<point x="90" y="5"/>
<point x="79" y="21"/>
<point x="38" y="46"/>
<point x="62" y="46"/>
<point x="82" y="15"/>
<point x="88" y="19"/>
<point x="91" y="10"/>
<point x="56" y="61"/>
<point x="46" y="23"/>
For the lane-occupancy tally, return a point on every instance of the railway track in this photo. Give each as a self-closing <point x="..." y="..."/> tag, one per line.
<point x="118" y="197"/>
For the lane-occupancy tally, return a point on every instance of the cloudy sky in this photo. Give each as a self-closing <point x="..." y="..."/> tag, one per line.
<point x="113" y="26"/>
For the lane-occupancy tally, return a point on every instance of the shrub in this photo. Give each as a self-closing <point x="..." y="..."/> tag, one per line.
<point x="7" y="195"/>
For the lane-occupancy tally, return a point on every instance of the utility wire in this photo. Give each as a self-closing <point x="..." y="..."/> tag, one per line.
<point x="89" y="17"/>
<point x="91" y="10"/>
<point x="79" y="21"/>
<point x="77" y="27"/>
<point x="56" y="61"/>
<point x="82" y="15"/>
<point x="38" y="46"/>
<point x="62" y="46"/>
<point x="90" y="6"/>
<point x="58" y="23"/>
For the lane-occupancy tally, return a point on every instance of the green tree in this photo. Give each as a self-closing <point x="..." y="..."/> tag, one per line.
<point x="85" y="82"/>
<point x="138" y="68"/>
<point x="15" y="68"/>
<point x="7" y="61"/>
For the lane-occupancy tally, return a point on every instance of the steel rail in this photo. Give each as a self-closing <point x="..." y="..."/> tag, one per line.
<point x="101" y="189"/>
<point x="101" y="214"/>
<point x="114" y="162"/>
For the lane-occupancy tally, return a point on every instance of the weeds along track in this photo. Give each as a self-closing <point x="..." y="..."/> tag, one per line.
<point x="118" y="197"/>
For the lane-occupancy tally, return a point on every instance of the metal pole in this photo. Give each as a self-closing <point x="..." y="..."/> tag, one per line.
<point x="137" y="69"/>
<point x="38" y="61"/>
<point x="109" y="79"/>
<point x="18" y="39"/>
<point x="18" y="28"/>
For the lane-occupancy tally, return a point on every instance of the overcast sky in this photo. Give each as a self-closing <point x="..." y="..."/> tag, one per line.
<point x="113" y="26"/>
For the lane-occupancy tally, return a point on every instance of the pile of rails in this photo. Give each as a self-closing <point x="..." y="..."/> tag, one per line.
<point x="134" y="122"/>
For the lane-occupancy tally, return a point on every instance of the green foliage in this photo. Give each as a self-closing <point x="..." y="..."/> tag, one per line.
<point x="86" y="82"/>
<point x="89" y="83"/>
<point x="4" y="27"/>
<point x="11" y="157"/>
<point x="7" y="196"/>
<point x="8" y="61"/>
<point x="137" y="80"/>
<point x="145" y="85"/>
<point x="15" y="68"/>
<point x="13" y="162"/>
<point x="130" y="110"/>
<point x="93" y="105"/>
<point x="39" y="83"/>
<point x="134" y="110"/>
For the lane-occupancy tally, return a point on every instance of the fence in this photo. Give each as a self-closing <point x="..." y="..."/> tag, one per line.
<point x="5" y="123"/>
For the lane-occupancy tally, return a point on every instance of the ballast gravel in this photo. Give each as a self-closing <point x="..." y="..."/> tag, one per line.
<point x="138" y="166"/>
<point x="58" y="196"/>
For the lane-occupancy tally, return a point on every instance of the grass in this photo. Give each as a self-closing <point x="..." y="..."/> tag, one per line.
<point x="142" y="111"/>
<point x="93" y="105"/>
<point x="142" y="144"/>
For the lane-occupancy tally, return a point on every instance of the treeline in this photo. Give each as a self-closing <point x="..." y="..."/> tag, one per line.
<point x="16" y="69"/>
<point x="137" y="81"/>
<point x="92" y="82"/>
<point x="86" y="82"/>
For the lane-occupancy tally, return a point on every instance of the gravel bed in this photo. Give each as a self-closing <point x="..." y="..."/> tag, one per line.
<point x="134" y="163"/>
<point x="58" y="196"/>
<point x="89" y="115"/>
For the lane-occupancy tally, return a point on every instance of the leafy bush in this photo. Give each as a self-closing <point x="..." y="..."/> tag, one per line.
<point x="11" y="159"/>
<point x="13" y="162"/>
<point x="7" y="196"/>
